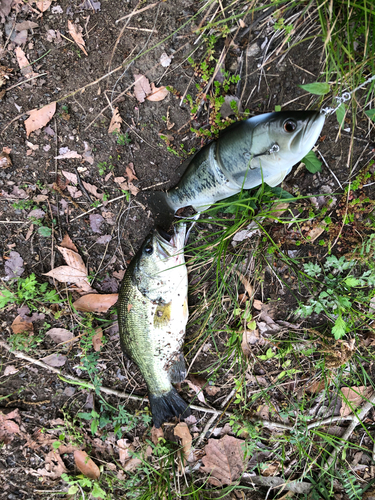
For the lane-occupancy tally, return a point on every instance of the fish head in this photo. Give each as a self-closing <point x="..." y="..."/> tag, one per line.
<point x="160" y="265"/>
<point x="295" y="133"/>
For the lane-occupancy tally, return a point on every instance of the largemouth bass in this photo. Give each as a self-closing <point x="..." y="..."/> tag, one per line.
<point x="262" y="148"/>
<point x="152" y="315"/>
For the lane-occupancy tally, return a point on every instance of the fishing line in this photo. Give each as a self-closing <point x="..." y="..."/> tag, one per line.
<point x="345" y="96"/>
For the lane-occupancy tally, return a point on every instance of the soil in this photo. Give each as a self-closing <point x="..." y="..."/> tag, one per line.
<point x="83" y="88"/>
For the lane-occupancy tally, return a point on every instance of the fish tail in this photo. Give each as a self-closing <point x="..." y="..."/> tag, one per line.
<point x="161" y="207"/>
<point x="169" y="405"/>
<point x="177" y="371"/>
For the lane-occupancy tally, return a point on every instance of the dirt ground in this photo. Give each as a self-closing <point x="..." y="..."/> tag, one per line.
<point x="108" y="236"/>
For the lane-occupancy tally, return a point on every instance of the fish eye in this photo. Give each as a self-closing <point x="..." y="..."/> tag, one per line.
<point x="149" y="249"/>
<point x="290" y="126"/>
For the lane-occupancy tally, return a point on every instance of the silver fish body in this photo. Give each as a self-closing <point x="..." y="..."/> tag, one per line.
<point x="152" y="314"/>
<point x="261" y="149"/>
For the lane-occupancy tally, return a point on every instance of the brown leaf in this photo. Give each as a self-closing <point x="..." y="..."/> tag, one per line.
<point x="249" y="337"/>
<point x="197" y="389"/>
<point x="67" y="155"/>
<point x="23" y="63"/>
<point x="224" y="460"/>
<point x="54" y="466"/>
<point x="55" y="359"/>
<point x="68" y="243"/>
<point x="246" y="284"/>
<point x="10" y="370"/>
<point x="97" y="340"/>
<point x="116" y="120"/>
<point x="354" y="397"/>
<point x="5" y="160"/>
<point x="157" y="93"/>
<point x="25" y="25"/>
<point x="182" y="431"/>
<point x="133" y="189"/>
<point x="257" y="304"/>
<point x="212" y="390"/>
<point x="124" y="447"/>
<point x="93" y="190"/>
<point x="271" y="469"/>
<point x="316" y="231"/>
<point x="73" y="259"/>
<point x="156" y="434"/>
<point x="94" y="302"/>
<point x="130" y="173"/>
<point x="75" y="32"/>
<point x="87" y="466"/>
<point x="20" y="325"/>
<point x="59" y="335"/>
<point x="39" y="117"/>
<point x="43" y="5"/>
<point x="141" y="88"/>
<point x="132" y="464"/>
<point x="67" y="274"/>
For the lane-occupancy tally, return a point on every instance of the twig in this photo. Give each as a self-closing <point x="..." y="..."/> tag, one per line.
<point x="24" y="81"/>
<point x="137" y="12"/>
<point x="326" y="164"/>
<point x="349" y="431"/>
<point x="276" y="482"/>
<point x="80" y="183"/>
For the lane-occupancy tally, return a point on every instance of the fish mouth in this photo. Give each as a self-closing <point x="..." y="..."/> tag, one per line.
<point x="170" y="245"/>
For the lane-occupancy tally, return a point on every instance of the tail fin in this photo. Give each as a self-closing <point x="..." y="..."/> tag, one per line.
<point x="157" y="202"/>
<point x="165" y="407"/>
<point x="177" y="371"/>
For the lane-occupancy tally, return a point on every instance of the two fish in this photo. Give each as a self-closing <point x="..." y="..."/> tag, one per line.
<point x="152" y="306"/>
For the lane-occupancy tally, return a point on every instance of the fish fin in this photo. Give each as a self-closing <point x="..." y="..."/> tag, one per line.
<point x="177" y="371"/>
<point x="159" y="204"/>
<point x="169" y="405"/>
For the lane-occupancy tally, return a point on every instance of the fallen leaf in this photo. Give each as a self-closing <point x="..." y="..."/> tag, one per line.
<point x="165" y="60"/>
<point x="119" y="275"/>
<point x="141" y="87"/>
<point x="23" y="63"/>
<point x="5" y="160"/>
<point x="59" y="335"/>
<point x="87" y="155"/>
<point x="224" y="460"/>
<point x="5" y="6"/>
<point x="212" y="390"/>
<point x="39" y="117"/>
<point x="87" y="466"/>
<point x="354" y="397"/>
<point x="95" y="302"/>
<point x="271" y="469"/>
<point x="68" y="154"/>
<point x="196" y="388"/>
<point x="14" y="265"/>
<point x="25" y="25"/>
<point x="37" y="213"/>
<point x="248" y="287"/>
<point x="73" y="259"/>
<point x="97" y="340"/>
<point x="130" y="173"/>
<point x="316" y="231"/>
<point x="156" y="434"/>
<point x="75" y="32"/>
<point x="263" y="411"/>
<point x="67" y="274"/>
<point x="116" y="120"/>
<point x="249" y="337"/>
<point x="93" y="190"/>
<point x="8" y="427"/>
<point x="124" y="447"/>
<point x="133" y="189"/>
<point x="43" y="5"/>
<point x="10" y="370"/>
<point x="257" y="304"/>
<point x="132" y="464"/>
<point x="182" y="431"/>
<point x="68" y="243"/>
<point x="55" y="359"/>
<point x="20" y="325"/>
<point x="95" y="222"/>
<point x="157" y="94"/>
<point x="103" y="240"/>
<point x="71" y="177"/>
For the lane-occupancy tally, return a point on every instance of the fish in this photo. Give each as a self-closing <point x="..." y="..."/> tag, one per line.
<point x="263" y="148"/>
<point x="152" y="316"/>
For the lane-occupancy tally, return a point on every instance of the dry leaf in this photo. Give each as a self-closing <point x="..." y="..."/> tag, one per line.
<point x="271" y="469"/>
<point x="59" y="335"/>
<point x="257" y="304"/>
<point x="5" y="160"/>
<point x="67" y="274"/>
<point x="87" y="155"/>
<point x="133" y="189"/>
<point x="93" y="190"/>
<point x="196" y="388"/>
<point x="20" y="325"/>
<point x="68" y="243"/>
<point x="182" y="431"/>
<point x="124" y="447"/>
<point x="249" y="289"/>
<point x="86" y="465"/>
<point x="224" y="460"/>
<point x="130" y="173"/>
<point x="54" y="466"/>
<point x="43" y="5"/>
<point x="116" y="120"/>
<point x="39" y="117"/>
<point x="249" y="337"/>
<point x="212" y="390"/>
<point x="73" y="259"/>
<point x="10" y="370"/>
<point x="97" y="340"/>
<point x="67" y="155"/>
<point x="94" y="302"/>
<point x="55" y="359"/>
<point x="354" y="397"/>
<point x="23" y="63"/>
<point x="76" y="33"/>
<point x="316" y="231"/>
<point x="156" y="434"/>
<point x="157" y="94"/>
<point x="25" y="25"/>
<point x="165" y="60"/>
<point x="141" y="87"/>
